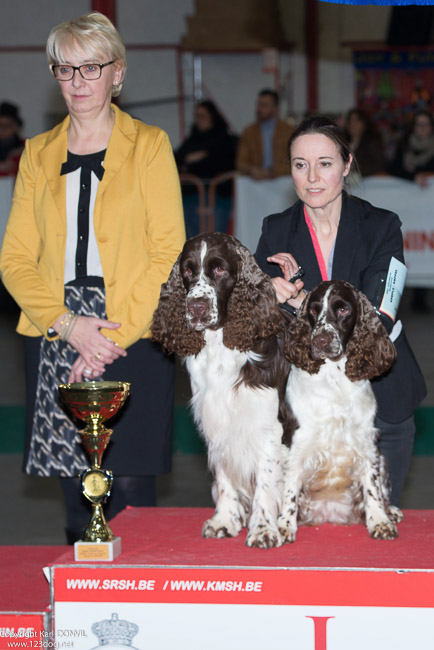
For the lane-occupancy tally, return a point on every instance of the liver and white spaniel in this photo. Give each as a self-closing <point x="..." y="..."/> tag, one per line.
<point x="334" y="471"/>
<point x="219" y="311"/>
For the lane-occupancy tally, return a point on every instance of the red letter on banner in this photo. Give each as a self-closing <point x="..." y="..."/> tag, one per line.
<point x="320" y="623"/>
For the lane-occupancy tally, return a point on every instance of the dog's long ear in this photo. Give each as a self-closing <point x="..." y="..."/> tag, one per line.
<point x="253" y="311"/>
<point x="298" y="342"/>
<point x="169" y="325"/>
<point x="370" y="352"/>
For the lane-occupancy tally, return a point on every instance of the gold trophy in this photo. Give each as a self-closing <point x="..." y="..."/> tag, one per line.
<point x="94" y="402"/>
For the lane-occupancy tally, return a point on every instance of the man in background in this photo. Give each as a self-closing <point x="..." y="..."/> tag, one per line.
<point x="262" y="149"/>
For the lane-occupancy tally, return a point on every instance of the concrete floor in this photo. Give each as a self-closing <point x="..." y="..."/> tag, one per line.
<point x="31" y="508"/>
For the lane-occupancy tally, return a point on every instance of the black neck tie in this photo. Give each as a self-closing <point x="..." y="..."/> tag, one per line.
<point x="76" y="162"/>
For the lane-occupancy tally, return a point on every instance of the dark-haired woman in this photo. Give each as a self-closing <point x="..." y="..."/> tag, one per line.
<point x="335" y="236"/>
<point x="414" y="158"/>
<point x="209" y="150"/>
<point x="415" y="152"/>
<point x="11" y="142"/>
<point x="365" y="142"/>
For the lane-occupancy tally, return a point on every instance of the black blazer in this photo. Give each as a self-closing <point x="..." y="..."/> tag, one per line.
<point x="366" y="240"/>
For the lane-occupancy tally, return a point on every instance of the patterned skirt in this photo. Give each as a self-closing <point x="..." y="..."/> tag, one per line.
<point x="55" y="447"/>
<point x="141" y="443"/>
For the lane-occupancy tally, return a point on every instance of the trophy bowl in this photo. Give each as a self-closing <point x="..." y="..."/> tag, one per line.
<point x="94" y="402"/>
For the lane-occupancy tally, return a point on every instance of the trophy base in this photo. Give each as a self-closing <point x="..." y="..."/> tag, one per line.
<point x="97" y="551"/>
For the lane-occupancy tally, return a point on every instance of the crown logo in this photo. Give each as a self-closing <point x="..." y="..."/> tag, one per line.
<point x="114" y="631"/>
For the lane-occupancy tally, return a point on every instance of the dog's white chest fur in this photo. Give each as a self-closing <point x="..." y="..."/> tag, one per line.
<point x="225" y="411"/>
<point x="328" y="403"/>
<point x="335" y="436"/>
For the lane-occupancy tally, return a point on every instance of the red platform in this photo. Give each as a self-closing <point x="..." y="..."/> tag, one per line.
<point x="332" y="580"/>
<point x="172" y="536"/>
<point x="334" y="588"/>
<point x="25" y="594"/>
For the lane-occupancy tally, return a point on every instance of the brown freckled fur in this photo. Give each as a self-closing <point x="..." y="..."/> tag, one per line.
<point x="369" y="350"/>
<point x="253" y="313"/>
<point x="169" y="326"/>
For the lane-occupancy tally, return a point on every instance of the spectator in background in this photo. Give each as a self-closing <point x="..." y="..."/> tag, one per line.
<point x="414" y="156"/>
<point x="365" y="142"/>
<point x="209" y="150"/>
<point x="415" y="152"/>
<point x="11" y="143"/>
<point x="262" y="150"/>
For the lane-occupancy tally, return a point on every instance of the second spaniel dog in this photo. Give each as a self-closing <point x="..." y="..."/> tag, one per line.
<point x="219" y="311"/>
<point x="335" y="472"/>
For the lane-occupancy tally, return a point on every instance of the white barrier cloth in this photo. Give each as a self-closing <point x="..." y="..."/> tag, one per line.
<point x="413" y="204"/>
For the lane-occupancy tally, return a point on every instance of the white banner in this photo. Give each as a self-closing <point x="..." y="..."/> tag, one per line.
<point x="414" y="206"/>
<point x="235" y="608"/>
<point x="156" y="626"/>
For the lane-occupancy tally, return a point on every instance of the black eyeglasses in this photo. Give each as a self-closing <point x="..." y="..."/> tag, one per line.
<point x="89" y="71"/>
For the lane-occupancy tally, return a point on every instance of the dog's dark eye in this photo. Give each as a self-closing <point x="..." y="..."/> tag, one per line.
<point x="188" y="272"/>
<point x="313" y="311"/>
<point x="343" y="311"/>
<point x="218" y="270"/>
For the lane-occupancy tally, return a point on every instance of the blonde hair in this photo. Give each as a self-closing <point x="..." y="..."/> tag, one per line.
<point x="94" y="34"/>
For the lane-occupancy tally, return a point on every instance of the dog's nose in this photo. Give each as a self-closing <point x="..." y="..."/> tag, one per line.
<point x="198" y="308"/>
<point x="320" y="341"/>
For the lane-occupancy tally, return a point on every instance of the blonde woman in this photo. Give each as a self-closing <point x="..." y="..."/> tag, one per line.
<point x="95" y="227"/>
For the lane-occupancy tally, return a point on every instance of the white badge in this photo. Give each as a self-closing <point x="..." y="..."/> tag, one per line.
<point x="395" y="282"/>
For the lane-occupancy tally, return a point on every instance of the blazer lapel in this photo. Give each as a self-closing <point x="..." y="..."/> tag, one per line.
<point x="301" y="247"/>
<point x="347" y="239"/>
<point x="122" y="141"/>
<point x="52" y="156"/>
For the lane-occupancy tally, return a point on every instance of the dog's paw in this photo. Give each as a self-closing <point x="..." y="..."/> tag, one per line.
<point x="287" y="530"/>
<point x="395" y="514"/>
<point x="384" y="530"/>
<point x="218" y="530"/>
<point x="263" y="536"/>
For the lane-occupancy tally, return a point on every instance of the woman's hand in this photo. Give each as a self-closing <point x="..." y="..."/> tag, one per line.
<point x="94" y="347"/>
<point x="95" y="350"/>
<point x="81" y="371"/>
<point x="287" y="291"/>
<point x="287" y="263"/>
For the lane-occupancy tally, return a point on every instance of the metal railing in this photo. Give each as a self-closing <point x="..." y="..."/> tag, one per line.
<point x="207" y="200"/>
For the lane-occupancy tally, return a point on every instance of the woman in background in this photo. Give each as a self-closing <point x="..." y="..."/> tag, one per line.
<point x="414" y="158"/>
<point x="95" y="227"/>
<point x="11" y="142"/>
<point x="415" y="152"/>
<point x="365" y="142"/>
<point x="209" y="150"/>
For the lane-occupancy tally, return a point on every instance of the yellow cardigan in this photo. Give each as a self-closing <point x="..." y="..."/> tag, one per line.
<point x="138" y="224"/>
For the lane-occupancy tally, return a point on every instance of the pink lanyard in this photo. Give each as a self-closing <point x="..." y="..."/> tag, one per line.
<point x="318" y="253"/>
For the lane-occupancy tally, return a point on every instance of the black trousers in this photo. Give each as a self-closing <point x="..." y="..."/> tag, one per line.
<point x="396" y="445"/>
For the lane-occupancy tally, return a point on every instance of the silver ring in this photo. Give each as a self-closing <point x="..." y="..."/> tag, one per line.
<point x="87" y="371"/>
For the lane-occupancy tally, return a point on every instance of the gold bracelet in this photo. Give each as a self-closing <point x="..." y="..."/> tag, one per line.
<point x="67" y="323"/>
